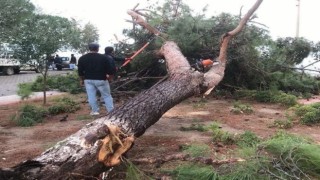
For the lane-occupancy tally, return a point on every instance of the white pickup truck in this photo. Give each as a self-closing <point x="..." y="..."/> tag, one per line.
<point x="9" y="65"/>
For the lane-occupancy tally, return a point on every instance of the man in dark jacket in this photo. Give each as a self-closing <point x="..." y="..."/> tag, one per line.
<point x="93" y="70"/>
<point x="109" y="52"/>
<point x="73" y="62"/>
<point x="58" y="62"/>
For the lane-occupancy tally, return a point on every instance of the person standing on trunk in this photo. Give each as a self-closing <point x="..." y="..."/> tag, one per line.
<point x="94" y="70"/>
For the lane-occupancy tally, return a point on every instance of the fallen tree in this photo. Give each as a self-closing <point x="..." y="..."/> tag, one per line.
<point x="100" y="144"/>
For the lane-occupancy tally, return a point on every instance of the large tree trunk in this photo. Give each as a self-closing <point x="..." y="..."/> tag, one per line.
<point x="76" y="156"/>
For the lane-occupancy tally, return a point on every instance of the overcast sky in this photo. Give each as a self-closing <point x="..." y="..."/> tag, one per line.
<point x="109" y="16"/>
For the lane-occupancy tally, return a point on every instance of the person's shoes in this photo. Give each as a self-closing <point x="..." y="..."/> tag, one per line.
<point x="94" y="113"/>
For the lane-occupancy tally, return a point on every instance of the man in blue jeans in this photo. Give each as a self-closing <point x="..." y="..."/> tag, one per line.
<point x="94" y="69"/>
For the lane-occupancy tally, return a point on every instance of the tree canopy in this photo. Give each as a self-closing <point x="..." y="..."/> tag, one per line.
<point x="252" y="52"/>
<point x="34" y="35"/>
<point x="12" y="14"/>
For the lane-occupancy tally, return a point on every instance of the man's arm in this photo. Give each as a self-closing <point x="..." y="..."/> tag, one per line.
<point x="119" y="59"/>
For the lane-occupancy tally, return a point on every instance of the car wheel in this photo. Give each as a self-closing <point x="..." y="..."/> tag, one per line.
<point x="17" y="70"/>
<point x="8" y="71"/>
<point x="59" y="67"/>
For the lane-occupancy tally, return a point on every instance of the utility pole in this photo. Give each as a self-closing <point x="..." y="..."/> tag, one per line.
<point x="298" y="19"/>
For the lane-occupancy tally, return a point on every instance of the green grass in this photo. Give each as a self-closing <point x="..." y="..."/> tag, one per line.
<point x="240" y="108"/>
<point x="219" y="135"/>
<point x="84" y="117"/>
<point x="133" y="173"/>
<point x="247" y="139"/>
<point x="194" y="172"/>
<point x="197" y="150"/>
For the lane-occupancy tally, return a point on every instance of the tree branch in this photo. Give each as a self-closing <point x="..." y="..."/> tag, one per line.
<point x="139" y="20"/>
<point x="216" y="73"/>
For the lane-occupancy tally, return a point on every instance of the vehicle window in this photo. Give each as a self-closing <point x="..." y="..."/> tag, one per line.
<point x="65" y="58"/>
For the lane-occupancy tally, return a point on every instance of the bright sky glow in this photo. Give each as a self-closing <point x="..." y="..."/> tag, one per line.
<point x="109" y="16"/>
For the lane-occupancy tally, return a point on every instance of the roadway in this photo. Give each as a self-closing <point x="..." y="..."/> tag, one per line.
<point x="9" y="84"/>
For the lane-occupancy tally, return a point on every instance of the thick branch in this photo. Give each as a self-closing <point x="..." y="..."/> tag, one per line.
<point x="213" y="77"/>
<point x="245" y="18"/>
<point x="227" y="37"/>
<point x="176" y="62"/>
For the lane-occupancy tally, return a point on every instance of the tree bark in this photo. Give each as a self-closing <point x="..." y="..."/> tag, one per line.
<point x="76" y="156"/>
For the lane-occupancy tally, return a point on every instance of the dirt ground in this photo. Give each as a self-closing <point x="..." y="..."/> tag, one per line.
<point x="162" y="139"/>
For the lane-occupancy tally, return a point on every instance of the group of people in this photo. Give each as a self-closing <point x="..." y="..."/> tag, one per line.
<point x="95" y="71"/>
<point x="55" y="62"/>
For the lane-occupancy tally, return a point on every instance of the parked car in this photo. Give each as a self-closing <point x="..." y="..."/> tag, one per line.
<point x="65" y="63"/>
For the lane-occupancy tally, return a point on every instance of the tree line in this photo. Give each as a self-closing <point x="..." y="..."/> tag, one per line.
<point x="34" y="35"/>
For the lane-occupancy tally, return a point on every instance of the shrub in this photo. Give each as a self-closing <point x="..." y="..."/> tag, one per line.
<point x="247" y="139"/>
<point x="284" y="99"/>
<point x="245" y="93"/>
<point x="57" y="109"/>
<point x="306" y="95"/>
<point x="29" y="115"/>
<point x="37" y="85"/>
<point x="64" y="105"/>
<point x="308" y="114"/>
<point x="311" y="117"/>
<point x="283" y="124"/>
<point x="65" y="83"/>
<point x="26" y="121"/>
<point x="239" y="108"/>
<point x="276" y="97"/>
<point x="68" y="83"/>
<point x="264" y="96"/>
<point x="24" y="90"/>
<point x="301" y="110"/>
<point x="220" y="135"/>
